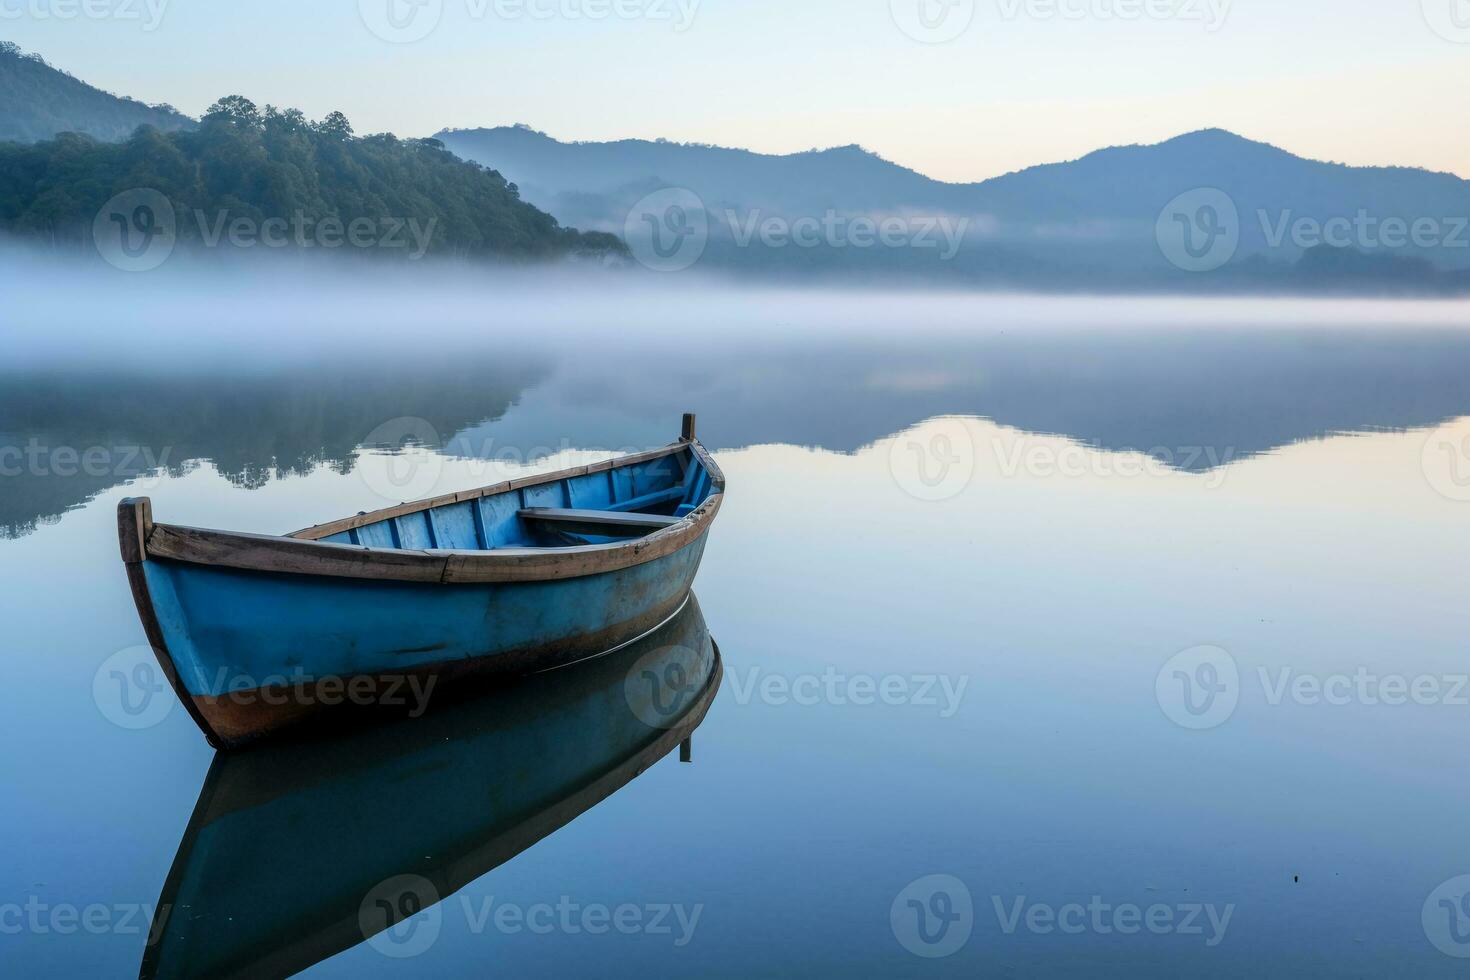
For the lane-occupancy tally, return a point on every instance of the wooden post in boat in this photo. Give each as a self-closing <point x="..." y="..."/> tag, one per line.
<point x="686" y="750"/>
<point x="134" y="524"/>
<point x="687" y="435"/>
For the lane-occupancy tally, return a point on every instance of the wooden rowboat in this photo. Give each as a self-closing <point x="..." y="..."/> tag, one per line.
<point x="256" y="633"/>
<point x="304" y="848"/>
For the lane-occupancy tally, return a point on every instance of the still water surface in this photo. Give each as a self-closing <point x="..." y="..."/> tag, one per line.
<point x="1094" y="653"/>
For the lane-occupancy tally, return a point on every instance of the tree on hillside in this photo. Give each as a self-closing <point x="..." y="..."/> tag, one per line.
<point x="236" y="109"/>
<point x="336" y="126"/>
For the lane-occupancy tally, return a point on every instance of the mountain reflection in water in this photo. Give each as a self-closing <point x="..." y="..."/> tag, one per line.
<point x="1195" y="399"/>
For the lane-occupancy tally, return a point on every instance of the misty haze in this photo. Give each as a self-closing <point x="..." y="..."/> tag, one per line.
<point x="909" y="487"/>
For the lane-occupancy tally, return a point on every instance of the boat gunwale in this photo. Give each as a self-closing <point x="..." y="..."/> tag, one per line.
<point x="304" y="553"/>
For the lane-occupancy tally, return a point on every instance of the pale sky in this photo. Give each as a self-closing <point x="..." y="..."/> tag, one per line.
<point x="1026" y="82"/>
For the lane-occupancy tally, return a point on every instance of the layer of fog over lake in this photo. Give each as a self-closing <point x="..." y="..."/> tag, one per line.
<point x="1041" y="501"/>
<point x="74" y="311"/>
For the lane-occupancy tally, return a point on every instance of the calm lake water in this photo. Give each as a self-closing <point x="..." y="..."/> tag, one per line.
<point x="1066" y="653"/>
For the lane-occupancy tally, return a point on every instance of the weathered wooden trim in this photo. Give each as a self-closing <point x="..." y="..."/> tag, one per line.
<point x="135" y="525"/>
<point x="304" y="553"/>
<point x="266" y="553"/>
<point x="295" y="556"/>
<point x="686" y="433"/>
<point x="716" y="475"/>
<point x="320" y="531"/>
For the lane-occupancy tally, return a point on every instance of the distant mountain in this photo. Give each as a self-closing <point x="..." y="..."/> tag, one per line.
<point x="1094" y="222"/>
<point x="37" y="102"/>
<point x="846" y="177"/>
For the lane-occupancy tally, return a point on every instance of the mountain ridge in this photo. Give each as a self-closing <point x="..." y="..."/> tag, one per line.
<point x="45" y="101"/>
<point x="1214" y="133"/>
<point x="1092" y="222"/>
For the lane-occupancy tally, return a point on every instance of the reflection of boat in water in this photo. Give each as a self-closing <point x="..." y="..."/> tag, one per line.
<point x="291" y="846"/>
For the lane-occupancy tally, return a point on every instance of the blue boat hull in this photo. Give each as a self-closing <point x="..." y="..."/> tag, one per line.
<point x="240" y="640"/>
<point x="258" y="632"/>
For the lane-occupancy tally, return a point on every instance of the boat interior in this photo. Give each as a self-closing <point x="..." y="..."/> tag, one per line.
<point x="608" y="505"/>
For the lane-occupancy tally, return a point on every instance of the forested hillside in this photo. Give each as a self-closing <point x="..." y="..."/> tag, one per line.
<point x="38" y="101"/>
<point x="265" y="168"/>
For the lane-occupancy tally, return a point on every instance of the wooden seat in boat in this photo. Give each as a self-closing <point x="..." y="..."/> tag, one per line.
<point x="605" y="522"/>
